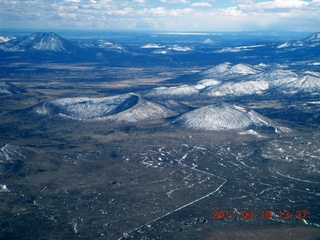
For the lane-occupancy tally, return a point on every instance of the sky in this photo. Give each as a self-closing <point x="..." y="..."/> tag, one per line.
<point x="163" y="15"/>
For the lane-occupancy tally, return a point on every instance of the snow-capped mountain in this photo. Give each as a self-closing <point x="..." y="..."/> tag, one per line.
<point x="227" y="70"/>
<point x="127" y="107"/>
<point x="311" y="41"/>
<point x="222" y="117"/>
<point x="8" y="88"/>
<point x="38" y="42"/>
<point x="307" y="83"/>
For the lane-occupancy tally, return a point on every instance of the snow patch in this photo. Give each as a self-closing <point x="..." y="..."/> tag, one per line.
<point x="10" y="153"/>
<point x="4" y="39"/>
<point x="206" y="83"/>
<point x="283" y="45"/>
<point x="152" y="45"/>
<point x="180" y="48"/>
<point x="250" y="132"/>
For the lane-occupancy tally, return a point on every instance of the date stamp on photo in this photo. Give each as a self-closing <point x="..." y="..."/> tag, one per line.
<point x="263" y="214"/>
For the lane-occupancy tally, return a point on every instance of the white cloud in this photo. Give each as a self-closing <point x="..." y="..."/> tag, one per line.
<point x="296" y="15"/>
<point x="201" y="4"/>
<point x="275" y="5"/>
<point x="73" y="1"/>
<point x="242" y="1"/>
<point x="141" y="1"/>
<point x="161" y="11"/>
<point x="174" y="1"/>
<point x="231" y="12"/>
<point x="123" y="12"/>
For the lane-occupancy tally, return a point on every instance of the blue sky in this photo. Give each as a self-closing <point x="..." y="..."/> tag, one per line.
<point x="167" y="15"/>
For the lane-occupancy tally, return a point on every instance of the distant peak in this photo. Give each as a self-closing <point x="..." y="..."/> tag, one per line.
<point x="39" y="41"/>
<point x="313" y="37"/>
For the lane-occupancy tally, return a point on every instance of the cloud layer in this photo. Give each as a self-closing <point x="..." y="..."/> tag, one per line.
<point x="184" y="15"/>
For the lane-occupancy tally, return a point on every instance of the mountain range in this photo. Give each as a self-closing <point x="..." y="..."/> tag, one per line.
<point x="40" y="41"/>
<point x="131" y="108"/>
<point x="227" y="79"/>
<point x="51" y="42"/>
<point x="220" y="80"/>
<point x="311" y="41"/>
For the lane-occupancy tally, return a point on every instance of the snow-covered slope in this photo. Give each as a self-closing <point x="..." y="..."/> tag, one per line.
<point x="307" y="83"/>
<point x="289" y="82"/>
<point x="238" y="88"/>
<point x="127" y="107"/>
<point x="172" y="92"/>
<point x="38" y="42"/>
<point x="206" y="83"/>
<point x="277" y="75"/>
<point x="142" y="111"/>
<point x="222" y="117"/>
